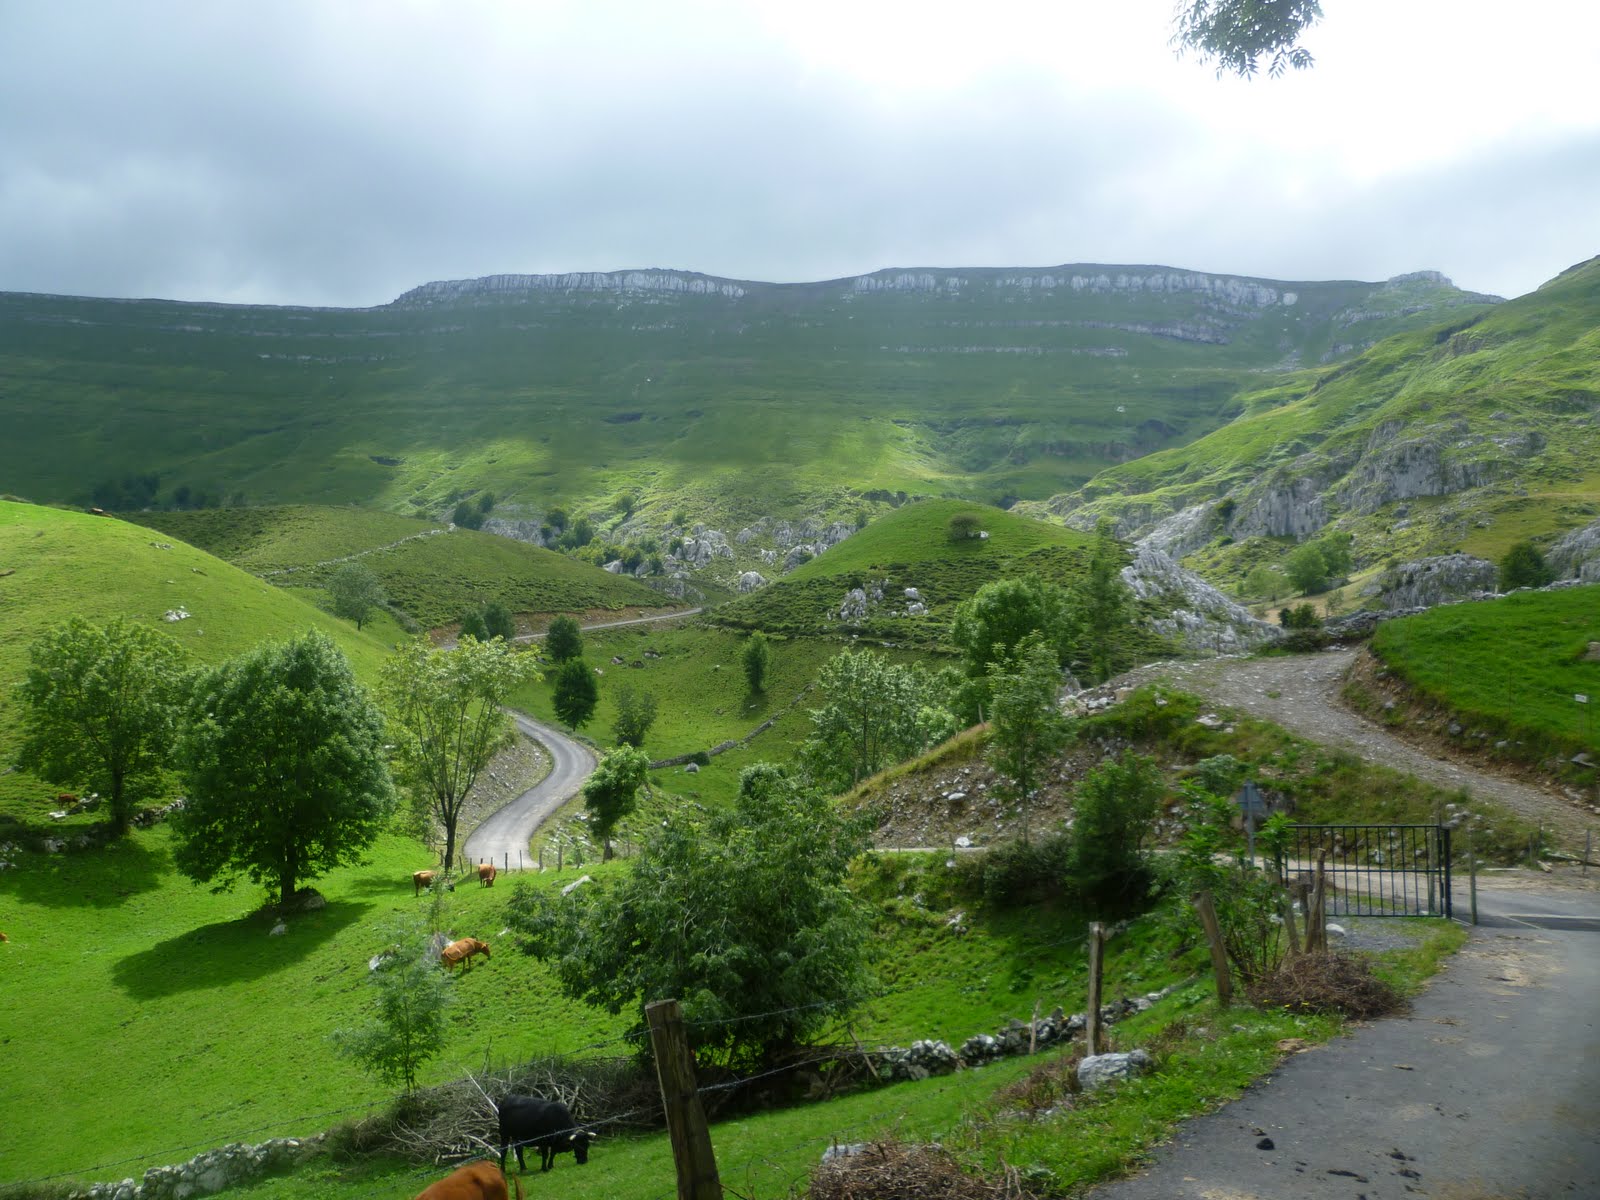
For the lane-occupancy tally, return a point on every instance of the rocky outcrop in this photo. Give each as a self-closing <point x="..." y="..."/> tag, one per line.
<point x="1200" y="619"/>
<point x="705" y="545"/>
<point x="750" y="581"/>
<point x="688" y="283"/>
<point x="1184" y="531"/>
<point x="1288" y="502"/>
<point x="1430" y="581"/>
<point x="1438" y="462"/>
<point x="1576" y="555"/>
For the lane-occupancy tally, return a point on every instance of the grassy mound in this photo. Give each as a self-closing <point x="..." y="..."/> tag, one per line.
<point x="55" y="564"/>
<point x="1504" y="671"/>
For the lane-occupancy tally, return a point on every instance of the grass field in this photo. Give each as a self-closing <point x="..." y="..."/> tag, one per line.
<point x="432" y="575"/>
<point x="65" y="564"/>
<point x="1512" y="667"/>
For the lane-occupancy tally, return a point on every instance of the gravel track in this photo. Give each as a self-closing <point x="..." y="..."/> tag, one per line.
<point x="1304" y="699"/>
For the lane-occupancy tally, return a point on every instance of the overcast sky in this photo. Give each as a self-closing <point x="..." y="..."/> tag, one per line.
<point x="341" y="151"/>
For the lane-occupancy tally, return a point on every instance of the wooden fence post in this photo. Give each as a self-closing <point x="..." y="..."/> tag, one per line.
<point x="1206" y="907"/>
<point x="1289" y="925"/>
<point x="1091" y="1015"/>
<point x="686" y="1119"/>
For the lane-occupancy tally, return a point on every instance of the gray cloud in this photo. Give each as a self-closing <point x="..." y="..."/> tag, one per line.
<point x="292" y="153"/>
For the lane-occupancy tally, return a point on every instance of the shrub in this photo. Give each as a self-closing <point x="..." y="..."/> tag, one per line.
<point x="1015" y="874"/>
<point x="1116" y="805"/>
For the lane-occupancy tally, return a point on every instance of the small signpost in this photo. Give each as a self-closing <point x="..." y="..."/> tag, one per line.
<point x="1254" y="808"/>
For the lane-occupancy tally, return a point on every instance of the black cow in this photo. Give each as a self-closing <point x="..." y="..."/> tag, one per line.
<point x="545" y="1125"/>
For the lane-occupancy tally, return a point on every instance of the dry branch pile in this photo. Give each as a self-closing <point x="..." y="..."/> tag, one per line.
<point x="1321" y="983"/>
<point x="892" y="1171"/>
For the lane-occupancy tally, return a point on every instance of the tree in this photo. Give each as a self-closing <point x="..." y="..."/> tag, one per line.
<point x="100" y="709"/>
<point x="1524" y="566"/>
<point x="1307" y="569"/>
<point x="877" y="713"/>
<point x="447" y="717"/>
<point x="1265" y="582"/>
<point x="743" y="913"/>
<point x="611" y="792"/>
<point x="1027" y="728"/>
<point x="1104" y="604"/>
<point x="467" y="516"/>
<point x="1115" y="810"/>
<point x="283" y="759"/>
<point x="1239" y="34"/>
<point x="574" y="693"/>
<point x="636" y="712"/>
<point x="355" y="592"/>
<point x="406" y="1025"/>
<point x="556" y="518"/>
<point x="989" y="625"/>
<point x="756" y="658"/>
<point x="564" y="639"/>
<point x="964" y="526"/>
<point x="497" y="622"/>
<point x="473" y="626"/>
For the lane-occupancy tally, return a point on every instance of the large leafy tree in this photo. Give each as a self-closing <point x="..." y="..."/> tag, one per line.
<point x="756" y="657"/>
<point x="447" y="717"/>
<point x="1027" y="728"/>
<point x="989" y="625"/>
<point x="611" y="792"/>
<point x="564" y="640"/>
<point x="355" y="592"/>
<point x="283" y="758"/>
<point x="100" y="709"/>
<point x="574" y="694"/>
<point x="876" y="713"/>
<point x="741" y="913"/>
<point x="1241" y="35"/>
<point x="636" y="712"/>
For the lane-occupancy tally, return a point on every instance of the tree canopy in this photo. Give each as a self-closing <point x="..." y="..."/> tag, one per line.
<point x="283" y="759"/>
<point x="757" y="657"/>
<point x="564" y="639"/>
<point x="355" y="592"/>
<point x="636" y="712"/>
<point x="741" y="913"/>
<point x="876" y="713"/>
<point x="1104" y="605"/>
<point x="100" y="709"/>
<point x="1027" y="728"/>
<point x="1524" y="566"/>
<point x="611" y="792"/>
<point x="574" y="694"/>
<point x="1239" y="35"/>
<point x="447" y="717"/>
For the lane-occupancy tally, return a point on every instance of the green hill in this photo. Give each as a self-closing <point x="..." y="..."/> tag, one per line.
<point x="55" y="564"/>
<point x="431" y="573"/>
<point x="732" y="399"/>
<point x="1469" y="435"/>
<point x="910" y="547"/>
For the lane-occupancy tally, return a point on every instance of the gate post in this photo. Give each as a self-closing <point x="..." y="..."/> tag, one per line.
<point x="1444" y="837"/>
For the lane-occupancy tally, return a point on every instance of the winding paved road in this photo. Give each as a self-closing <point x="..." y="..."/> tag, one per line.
<point x="503" y="838"/>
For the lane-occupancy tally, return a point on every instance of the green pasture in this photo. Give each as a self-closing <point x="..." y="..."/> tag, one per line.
<point x="1512" y="666"/>
<point x="60" y="564"/>
<point x="432" y="575"/>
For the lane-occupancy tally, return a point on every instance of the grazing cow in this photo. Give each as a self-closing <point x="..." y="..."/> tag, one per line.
<point x="475" y="1181"/>
<point x="545" y="1125"/>
<point x="462" y="951"/>
<point x="422" y="880"/>
<point x="486" y="874"/>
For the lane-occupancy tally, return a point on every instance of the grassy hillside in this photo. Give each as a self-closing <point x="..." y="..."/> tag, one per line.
<point x="1469" y="435"/>
<point x="1505" y="673"/>
<point x="734" y="400"/>
<point x="59" y="564"/>
<point x="911" y="547"/>
<point x="432" y="574"/>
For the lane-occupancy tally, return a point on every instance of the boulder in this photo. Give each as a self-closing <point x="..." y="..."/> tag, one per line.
<point x="1100" y="1069"/>
<point x="749" y="581"/>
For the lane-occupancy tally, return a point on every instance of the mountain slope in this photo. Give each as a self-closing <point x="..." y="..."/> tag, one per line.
<point x="1468" y="435"/>
<point x="737" y="399"/>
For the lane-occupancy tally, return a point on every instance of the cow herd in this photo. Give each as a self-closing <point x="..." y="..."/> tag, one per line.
<point x="526" y="1122"/>
<point x="458" y="953"/>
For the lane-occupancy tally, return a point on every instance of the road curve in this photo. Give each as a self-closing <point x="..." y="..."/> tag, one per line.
<point x="503" y="838"/>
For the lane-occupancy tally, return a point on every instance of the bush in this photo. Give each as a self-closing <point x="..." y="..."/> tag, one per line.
<point x="1116" y="807"/>
<point x="1015" y="874"/>
<point x="1326" y="983"/>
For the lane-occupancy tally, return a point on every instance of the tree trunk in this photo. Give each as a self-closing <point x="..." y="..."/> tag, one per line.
<point x="120" y="816"/>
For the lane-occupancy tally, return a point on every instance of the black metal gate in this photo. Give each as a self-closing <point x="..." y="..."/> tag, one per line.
<point x="1374" y="870"/>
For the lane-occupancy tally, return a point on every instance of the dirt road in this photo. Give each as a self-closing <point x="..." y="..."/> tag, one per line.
<point x="1301" y="693"/>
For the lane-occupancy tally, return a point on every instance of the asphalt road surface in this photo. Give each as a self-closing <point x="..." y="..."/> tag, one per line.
<point x="1489" y="1089"/>
<point x="503" y="838"/>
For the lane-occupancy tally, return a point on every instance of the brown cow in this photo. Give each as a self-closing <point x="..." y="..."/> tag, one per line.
<point x="422" y="880"/>
<point x="475" y="1181"/>
<point x="462" y="951"/>
<point x="486" y="874"/>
